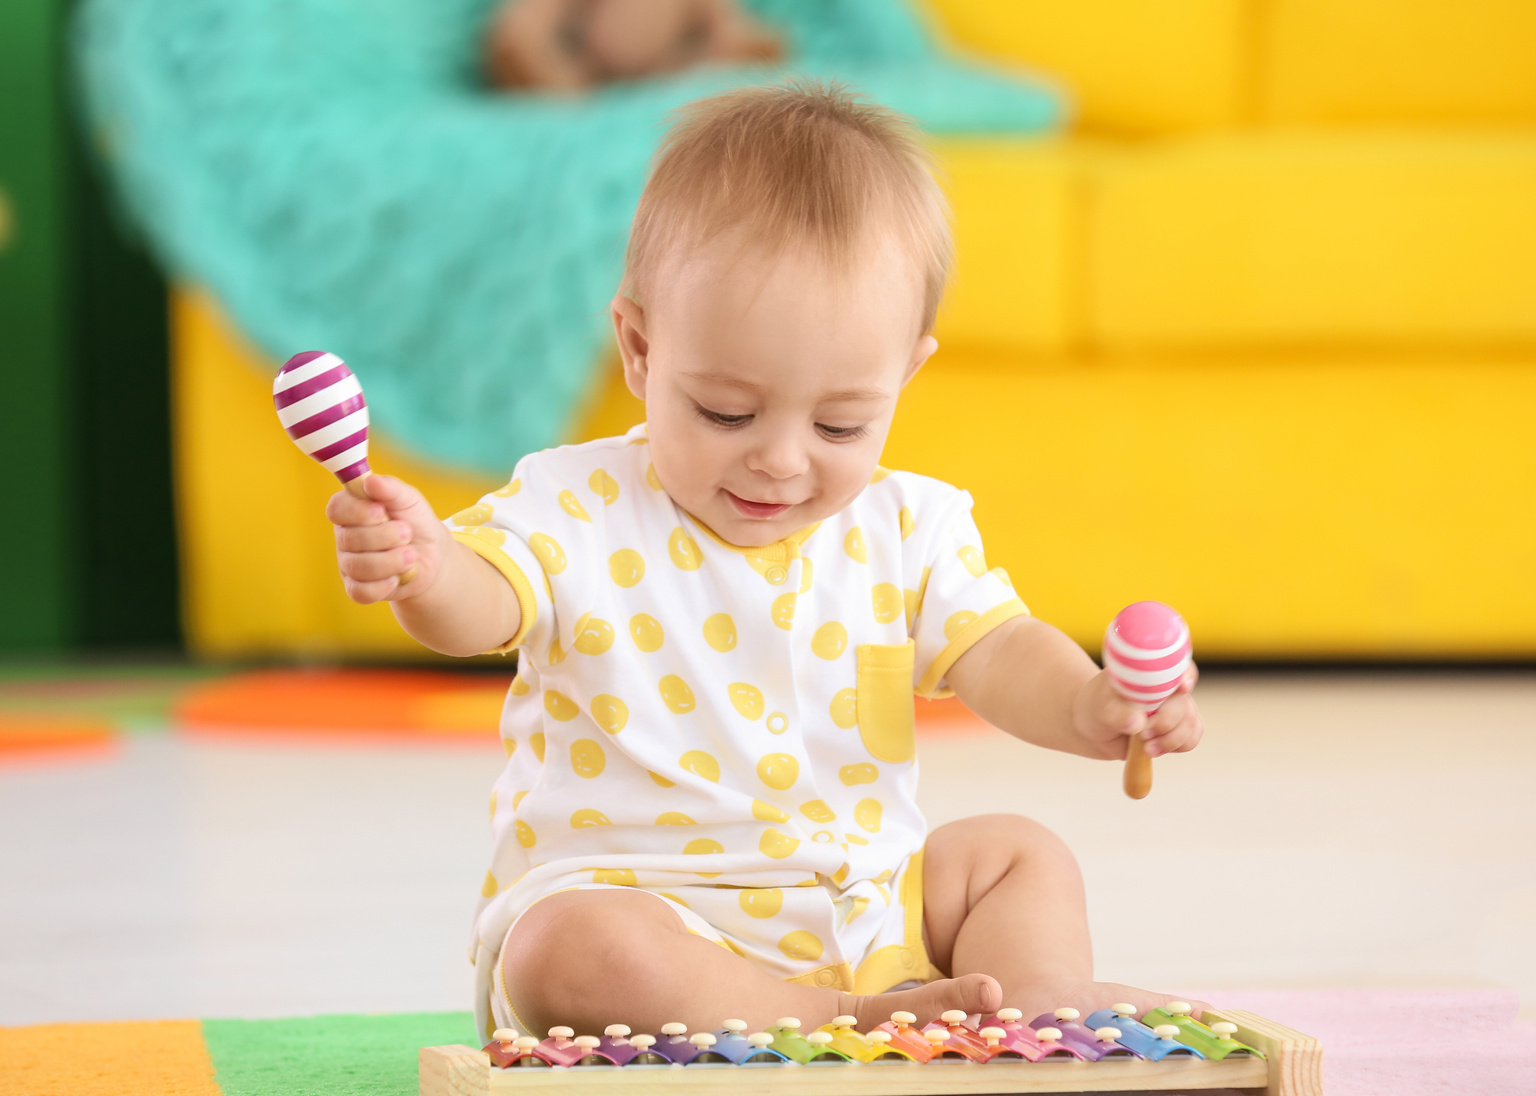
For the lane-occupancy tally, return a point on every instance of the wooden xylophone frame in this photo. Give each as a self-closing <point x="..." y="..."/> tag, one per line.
<point x="1292" y="1066"/>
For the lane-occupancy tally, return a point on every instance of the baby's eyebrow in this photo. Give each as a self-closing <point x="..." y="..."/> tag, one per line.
<point x="842" y="395"/>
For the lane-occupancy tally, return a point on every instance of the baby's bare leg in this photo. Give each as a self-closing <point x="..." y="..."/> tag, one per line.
<point x="598" y="957"/>
<point x="1003" y="895"/>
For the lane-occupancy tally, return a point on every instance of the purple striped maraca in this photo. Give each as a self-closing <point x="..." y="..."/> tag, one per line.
<point x="1146" y="654"/>
<point x="321" y="405"/>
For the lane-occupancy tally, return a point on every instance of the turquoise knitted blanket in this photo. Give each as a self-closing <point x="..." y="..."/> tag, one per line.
<point x="336" y="174"/>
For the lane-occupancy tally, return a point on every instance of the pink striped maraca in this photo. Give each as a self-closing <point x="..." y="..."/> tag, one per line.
<point x="1146" y="653"/>
<point x="321" y="405"/>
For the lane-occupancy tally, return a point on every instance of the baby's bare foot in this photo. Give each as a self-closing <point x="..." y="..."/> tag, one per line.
<point x="970" y="993"/>
<point x="1089" y="997"/>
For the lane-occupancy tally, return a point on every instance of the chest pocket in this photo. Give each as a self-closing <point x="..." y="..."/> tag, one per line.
<point x="887" y="721"/>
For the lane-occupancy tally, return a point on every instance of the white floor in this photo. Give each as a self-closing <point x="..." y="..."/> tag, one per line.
<point x="1332" y="831"/>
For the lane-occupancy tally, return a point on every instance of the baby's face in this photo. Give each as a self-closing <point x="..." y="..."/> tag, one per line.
<point x="769" y="383"/>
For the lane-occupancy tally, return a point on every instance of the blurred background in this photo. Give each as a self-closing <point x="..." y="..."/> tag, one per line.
<point x="1244" y="319"/>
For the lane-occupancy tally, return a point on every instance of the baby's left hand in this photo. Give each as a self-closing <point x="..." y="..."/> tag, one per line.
<point x="1107" y="720"/>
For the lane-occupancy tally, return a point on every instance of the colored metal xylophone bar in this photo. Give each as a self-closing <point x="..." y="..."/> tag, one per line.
<point x="1108" y="1051"/>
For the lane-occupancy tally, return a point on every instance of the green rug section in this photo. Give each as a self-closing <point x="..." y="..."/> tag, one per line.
<point x="329" y="1055"/>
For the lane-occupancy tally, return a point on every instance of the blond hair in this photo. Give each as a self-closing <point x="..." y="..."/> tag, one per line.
<point x="802" y="162"/>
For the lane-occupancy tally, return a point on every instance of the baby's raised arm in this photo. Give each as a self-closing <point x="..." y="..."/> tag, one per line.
<point x="1034" y="682"/>
<point x="456" y="603"/>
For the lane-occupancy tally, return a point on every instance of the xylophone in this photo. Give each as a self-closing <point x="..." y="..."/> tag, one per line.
<point x="1061" y="1051"/>
<point x="1146" y="654"/>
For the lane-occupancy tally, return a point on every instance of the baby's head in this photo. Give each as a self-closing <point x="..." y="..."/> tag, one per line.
<point x="784" y="268"/>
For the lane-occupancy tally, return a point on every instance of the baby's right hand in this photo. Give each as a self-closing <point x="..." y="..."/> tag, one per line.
<point x="380" y="538"/>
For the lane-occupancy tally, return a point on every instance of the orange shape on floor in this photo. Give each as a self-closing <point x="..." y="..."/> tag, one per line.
<point x="36" y="735"/>
<point x="346" y="704"/>
<point x="166" y="1057"/>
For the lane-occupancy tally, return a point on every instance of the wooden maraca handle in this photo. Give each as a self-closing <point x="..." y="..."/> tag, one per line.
<point x="354" y="487"/>
<point x="1137" y="779"/>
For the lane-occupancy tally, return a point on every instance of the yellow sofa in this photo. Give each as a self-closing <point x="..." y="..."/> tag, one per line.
<point x="1224" y="345"/>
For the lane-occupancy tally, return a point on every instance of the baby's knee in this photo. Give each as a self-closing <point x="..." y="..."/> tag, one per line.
<point x="562" y="952"/>
<point x="1004" y="839"/>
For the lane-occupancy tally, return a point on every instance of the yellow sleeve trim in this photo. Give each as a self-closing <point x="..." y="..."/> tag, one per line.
<point x="527" y="604"/>
<point x="967" y="639"/>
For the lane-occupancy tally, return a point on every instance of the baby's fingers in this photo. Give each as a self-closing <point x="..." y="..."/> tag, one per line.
<point x="347" y="509"/>
<point x="372" y="538"/>
<point x="374" y="566"/>
<point x="1175" y="728"/>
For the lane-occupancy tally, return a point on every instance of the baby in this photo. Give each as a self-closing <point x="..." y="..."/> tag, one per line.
<point x="708" y="807"/>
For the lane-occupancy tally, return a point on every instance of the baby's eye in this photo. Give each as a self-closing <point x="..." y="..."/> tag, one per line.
<point x="720" y="419"/>
<point x="842" y="433"/>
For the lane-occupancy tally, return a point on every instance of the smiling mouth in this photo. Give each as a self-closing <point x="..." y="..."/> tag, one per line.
<point x="758" y="509"/>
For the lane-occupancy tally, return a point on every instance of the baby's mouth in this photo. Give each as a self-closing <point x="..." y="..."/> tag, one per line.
<point x="751" y="509"/>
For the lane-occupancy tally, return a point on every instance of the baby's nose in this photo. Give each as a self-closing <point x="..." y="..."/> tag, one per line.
<point x="780" y="458"/>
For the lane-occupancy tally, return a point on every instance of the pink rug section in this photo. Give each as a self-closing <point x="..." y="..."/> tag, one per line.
<point x="1382" y="1042"/>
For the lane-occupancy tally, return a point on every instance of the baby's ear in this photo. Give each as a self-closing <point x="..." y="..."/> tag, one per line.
<point x="920" y="353"/>
<point x="629" y="331"/>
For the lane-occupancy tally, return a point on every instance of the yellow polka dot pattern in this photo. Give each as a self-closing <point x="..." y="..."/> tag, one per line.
<point x="818" y="811"/>
<point x="674" y="818"/>
<point x="778" y="770"/>
<point x="867" y="814"/>
<point x="862" y="773"/>
<point x="588" y="817"/>
<point x="646" y="631"/>
<point x="957" y="623"/>
<point x="778" y="723"/>
<point x="609" y="712"/>
<point x="478" y="514"/>
<point x="587" y="758"/>
<point x="626" y="567"/>
<point x="547" y="549"/>
<point x="845" y="708"/>
<point x="593" y="636"/>
<point x="556" y="652"/>
<point x="519" y="686"/>
<point x="801" y="944"/>
<point x="663" y="781"/>
<point x="777" y="845"/>
<point x="517" y="799"/>
<point x="676" y="694"/>
<point x="525" y="835"/>
<point x="703" y="846"/>
<point x="605" y="485"/>
<point x="720" y="632"/>
<point x="489" y="888"/>
<point x="536" y="740"/>
<point x="767" y="812"/>
<point x="571" y="505"/>
<point x="700" y="764"/>
<point x="493" y="804"/>
<point x="618" y="877"/>
<point x="509" y="746"/>
<point x="830" y="641"/>
<point x="746" y="699"/>
<point x="509" y="490"/>
<point x="783" y="611"/>
<point x="974" y="561"/>
<point x="494" y="537"/>
<point x="684" y="550"/>
<point x="853" y="545"/>
<point x="760" y="903"/>
<point x="805" y="575"/>
<point x="908" y="522"/>
<point x="887" y="601"/>
<point x="560" y="706"/>
<point x="651" y="478"/>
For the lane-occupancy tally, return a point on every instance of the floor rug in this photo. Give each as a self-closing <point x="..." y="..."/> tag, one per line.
<point x="1375" y="1043"/>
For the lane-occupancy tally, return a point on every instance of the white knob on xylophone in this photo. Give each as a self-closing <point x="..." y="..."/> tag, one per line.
<point x="903" y="1018"/>
<point x="504" y="1035"/>
<point x="760" y="1039"/>
<point x="1009" y="1015"/>
<point x="616" y="1031"/>
<point x="1047" y="1035"/>
<point x="992" y="1035"/>
<point x="703" y="1040"/>
<point x="819" y="1038"/>
<point x="1066" y="1014"/>
<point x="1224" y="1029"/>
<point x="1108" y="1034"/>
<point x="789" y="1022"/>
<point x="525" y="1042"/>
<point x="1165" y="1031"/>
<point x="880" y="1037"/>
<point x="587" y="1042"/>
<point x="1178" y="1008"/>
<point x="1123" y="1009"/>
<point x="937" y="1035"/>
<point x="735" y="1027"/>
<point x="844" y="1021"/>
<point x="642" y="1042"/>
<point x="561" y="1032"/>
<point x="953" y="1016"/>
<point x="674" y="1028"/>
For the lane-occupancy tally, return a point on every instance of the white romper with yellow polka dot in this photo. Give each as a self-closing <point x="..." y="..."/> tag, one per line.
<point x="729" y="729"/>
